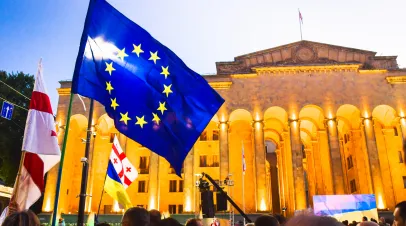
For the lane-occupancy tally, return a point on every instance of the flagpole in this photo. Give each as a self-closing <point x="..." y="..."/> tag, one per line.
<point x="300" y="24"/>
<point x="85" y="169"/>
<point x="243" y="196"/>
<point x="101" y="198"/>
<point x="17" y="184"/>
<point x="243" y="177"/>
<point x="79" y="59"/>
<point x="58" y="182"/>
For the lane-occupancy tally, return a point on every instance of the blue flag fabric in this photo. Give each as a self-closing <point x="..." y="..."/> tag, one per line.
<point x="149" y="92"/>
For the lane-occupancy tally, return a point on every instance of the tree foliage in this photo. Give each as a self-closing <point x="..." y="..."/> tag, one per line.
<point x="12" y="131"/>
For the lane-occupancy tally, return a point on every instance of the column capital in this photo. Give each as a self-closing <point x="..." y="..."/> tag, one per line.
<point x="260" y="122"/>
<point x="293" y="120"/>
<point x="226" y="123"/>
<point x="328" y="120"/>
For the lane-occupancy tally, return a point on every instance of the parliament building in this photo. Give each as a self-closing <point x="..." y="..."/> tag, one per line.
<point x="313" y="119"/>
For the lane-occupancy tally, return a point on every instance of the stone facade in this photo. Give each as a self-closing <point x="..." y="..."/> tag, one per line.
<point x="314" y="119"/>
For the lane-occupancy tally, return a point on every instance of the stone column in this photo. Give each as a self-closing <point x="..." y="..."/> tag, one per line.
<point x="281" y="182"/>
<point x="335" y="155"/>
<point x="310" y="175"/>
<point x="287" y="171"/>
<point x="386" y="149"/>
<point x="297" y="164"/>
<point x="223" y="140"/>
<point x="153" y="181"/>
<point x="260" y="165"/>
<point x="188" y="182"/>
<point x="374" y="164"/>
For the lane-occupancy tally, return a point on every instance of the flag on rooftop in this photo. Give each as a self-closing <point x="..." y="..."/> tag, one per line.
<point x="149" y="92"/>
<point x="300" y="17"/>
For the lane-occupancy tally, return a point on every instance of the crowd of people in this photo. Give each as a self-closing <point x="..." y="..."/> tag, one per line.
<point x="138" y="216"/>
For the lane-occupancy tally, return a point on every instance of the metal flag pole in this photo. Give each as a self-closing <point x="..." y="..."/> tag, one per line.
<point x="58" y="181"/>
<point x="85" y="169"/>
<point x="79" y="59"/>
<point x="300" y="24"/>
<point x="13" y="203"/>
<point x="243" y="183"/>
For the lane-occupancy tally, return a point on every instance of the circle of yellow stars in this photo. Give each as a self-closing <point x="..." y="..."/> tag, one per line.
<point x="167" y="88"/>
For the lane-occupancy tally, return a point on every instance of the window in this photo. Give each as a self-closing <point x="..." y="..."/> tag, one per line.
<point x="181" y="186"/>
<point x="404" y="182"/>
<point x="144" y="165"/>
<point x="180" y="208"/>
<point x="353" y="186"/>
<point x="215" y="135"/>
<point x="172" y="209"/>
<point x="209" y="161"/>
<point x="345" y="138"/>
<point x="349" y="162"/>
<point x="400" y="157"/>
<point x="112" y="135"/>
<point x="395" y="130"/>
<point x="203" y="136"/>
<point x="172" y="186"/>
<point x="142" y="186"/>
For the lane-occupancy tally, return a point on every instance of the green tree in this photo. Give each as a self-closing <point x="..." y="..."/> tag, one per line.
<point x="12" y="131"/>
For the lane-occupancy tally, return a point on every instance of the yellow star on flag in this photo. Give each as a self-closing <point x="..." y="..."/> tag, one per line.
<point x="124" y="117"/>
<point x="109" y="67"/>
<point x="114" y="103"/>
<point x="121" y="54"/>
<point x="140" y="121"/>
<point x="137" y="49"/>
<point x="154" y="56"/>
<point x="165" y="71"/>
<point x="156" y="119"/>
<point x="162" y="107"/>
<point x="167" y="90"/>
<point x="109" y="87"/>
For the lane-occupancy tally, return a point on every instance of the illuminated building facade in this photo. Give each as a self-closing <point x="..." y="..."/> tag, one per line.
<point x="314" y="119"/>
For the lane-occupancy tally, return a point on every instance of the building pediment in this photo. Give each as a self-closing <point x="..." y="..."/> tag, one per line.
<point x="306" y="53"/>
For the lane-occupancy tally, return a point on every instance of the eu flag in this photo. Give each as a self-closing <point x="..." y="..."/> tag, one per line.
<point x="151" y="95"/>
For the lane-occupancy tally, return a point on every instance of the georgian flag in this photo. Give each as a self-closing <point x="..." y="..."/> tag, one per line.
<point x="125" y="170"/>
<point x="300" y="17"/>
<point x="40" y="145"/>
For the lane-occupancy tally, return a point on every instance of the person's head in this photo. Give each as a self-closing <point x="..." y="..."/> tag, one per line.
<point x="364" y="218"/>
<point x="368" y="223"/>
<point x="60" y="220"/>
<point x="281" y="219"/>
<point x="266" y="220"/>
<point x="400" y="214"/>
<point x="23" y="218"/>
<point x="373" y="220"/>
<point x="382" y="220"/>
<point x="136" y="216"/>
<point x="103" y="224"/>
<point x="169" y="222"/>
<point x="311" y="220"/>
<point x="345" y="223"/>
<point x="155" y="217"/>
<point x="194" y="222"/>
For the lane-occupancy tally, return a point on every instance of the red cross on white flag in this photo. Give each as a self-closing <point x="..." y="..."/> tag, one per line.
<point x="125" y="170"/>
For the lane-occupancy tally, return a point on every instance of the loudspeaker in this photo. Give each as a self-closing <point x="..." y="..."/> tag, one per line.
<point x="207" y="204"/>
<point x="221" y="202"/>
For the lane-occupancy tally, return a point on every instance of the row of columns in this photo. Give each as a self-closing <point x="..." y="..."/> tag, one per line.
<point x="290" y="164"/>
